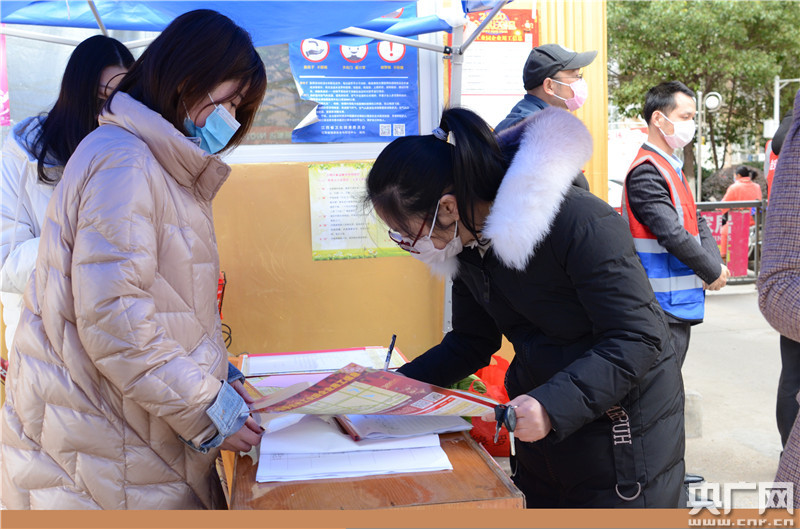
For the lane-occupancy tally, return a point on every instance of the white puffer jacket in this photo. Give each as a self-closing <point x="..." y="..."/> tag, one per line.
<point x="119" y="351"/>
<point x="24" y="200"/>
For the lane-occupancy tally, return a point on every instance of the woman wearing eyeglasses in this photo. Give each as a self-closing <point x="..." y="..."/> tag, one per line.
<point x="597" y="388"/>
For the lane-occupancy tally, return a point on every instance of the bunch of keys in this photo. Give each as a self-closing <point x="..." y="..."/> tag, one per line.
<point x="505" y="416"/>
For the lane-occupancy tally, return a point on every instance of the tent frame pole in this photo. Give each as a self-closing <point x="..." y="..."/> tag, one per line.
<point x="97" y="17"/>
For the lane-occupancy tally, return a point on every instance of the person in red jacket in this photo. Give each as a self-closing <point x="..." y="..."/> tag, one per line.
<point x="742" y="188"/>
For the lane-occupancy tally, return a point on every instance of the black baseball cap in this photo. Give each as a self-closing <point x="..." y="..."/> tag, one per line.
<point x="546" y="60"/>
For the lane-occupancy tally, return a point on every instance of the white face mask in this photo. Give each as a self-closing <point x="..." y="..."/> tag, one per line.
<point x="681" y="135"/>
<point x="433" y="256"/>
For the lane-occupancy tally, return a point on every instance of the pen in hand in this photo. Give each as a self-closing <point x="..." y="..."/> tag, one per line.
<point x="389" y="353"/>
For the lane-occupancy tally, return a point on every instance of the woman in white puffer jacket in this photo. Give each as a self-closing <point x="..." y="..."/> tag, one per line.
<point x="34" y="155"/>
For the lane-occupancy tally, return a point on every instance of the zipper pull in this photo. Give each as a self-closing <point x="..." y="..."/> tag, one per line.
<point x="485" y="286"/>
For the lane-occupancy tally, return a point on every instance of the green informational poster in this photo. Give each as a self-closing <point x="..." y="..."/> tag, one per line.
<point x="343" y="226"/>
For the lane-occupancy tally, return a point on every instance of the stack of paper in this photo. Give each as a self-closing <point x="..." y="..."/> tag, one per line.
<point x="315" y="448"/>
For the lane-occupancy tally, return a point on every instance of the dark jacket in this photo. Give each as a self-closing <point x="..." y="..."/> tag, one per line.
<point x="528" y="105"/>
<point x="562" y="282"/>
<point x="649" y="201"/>
<point x="515" y="124"/>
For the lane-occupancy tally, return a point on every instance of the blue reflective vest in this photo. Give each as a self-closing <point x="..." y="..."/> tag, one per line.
<point x="678" y="289"/>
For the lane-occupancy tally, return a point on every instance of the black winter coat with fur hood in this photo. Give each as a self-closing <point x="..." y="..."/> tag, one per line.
<point x="561" y="280"/>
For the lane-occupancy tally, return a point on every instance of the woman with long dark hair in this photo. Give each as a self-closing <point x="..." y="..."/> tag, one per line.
<point x="596" y="387"/>
<point x="120" y="395"/>
<point x="34" y="155"/>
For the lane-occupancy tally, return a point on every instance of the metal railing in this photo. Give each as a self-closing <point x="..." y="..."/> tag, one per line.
<point x="754" y="244"/>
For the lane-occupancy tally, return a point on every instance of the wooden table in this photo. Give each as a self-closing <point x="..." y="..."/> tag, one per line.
<point x="476" y="481"/>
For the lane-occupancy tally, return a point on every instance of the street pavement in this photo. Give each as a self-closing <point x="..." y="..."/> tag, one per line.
<point x="733" y="364"/>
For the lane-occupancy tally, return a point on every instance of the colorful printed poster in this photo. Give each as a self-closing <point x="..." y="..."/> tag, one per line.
<point x="492" y="71"/>
<point x="364" y="93"/>
<point x="342" y="225"/>
<point x="358" y="390"/>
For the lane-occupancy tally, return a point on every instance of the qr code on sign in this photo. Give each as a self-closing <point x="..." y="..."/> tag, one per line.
<point x="399" y="129"/>
<point x="385" y="129"/>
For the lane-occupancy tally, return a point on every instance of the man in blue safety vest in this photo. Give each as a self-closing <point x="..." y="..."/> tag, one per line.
<point x="674" y="243"/>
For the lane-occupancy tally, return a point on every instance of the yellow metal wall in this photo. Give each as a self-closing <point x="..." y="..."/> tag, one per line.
<point x="581" y="26"/>
<point x="278" y="299"/>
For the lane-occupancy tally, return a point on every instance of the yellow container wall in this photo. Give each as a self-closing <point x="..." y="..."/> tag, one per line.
<point x="278" y="299"/>
<point x="581" y="26"/>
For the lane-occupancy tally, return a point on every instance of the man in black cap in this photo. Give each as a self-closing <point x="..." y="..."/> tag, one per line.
<point x="552" y="76"/>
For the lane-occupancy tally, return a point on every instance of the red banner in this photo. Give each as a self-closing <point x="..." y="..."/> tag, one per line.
<point x="732" y="238"/>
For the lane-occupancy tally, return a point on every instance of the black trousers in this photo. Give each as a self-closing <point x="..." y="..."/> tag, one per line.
<point x="788" y="387"/>
<point x="680" y="332"/>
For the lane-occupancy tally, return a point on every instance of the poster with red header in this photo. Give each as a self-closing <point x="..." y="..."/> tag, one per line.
<point x="492" y="71"/>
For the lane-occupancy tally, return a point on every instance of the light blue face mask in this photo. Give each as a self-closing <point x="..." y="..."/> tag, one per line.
<point x="216" y="133"/>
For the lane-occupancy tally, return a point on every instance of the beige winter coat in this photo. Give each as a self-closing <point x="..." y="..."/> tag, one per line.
<point x="119" y="351"/>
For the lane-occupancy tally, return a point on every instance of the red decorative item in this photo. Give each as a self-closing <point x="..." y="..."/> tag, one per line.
<point x="493" y="376"/>
<point x="3" y="370"/>
<point x="221" y="291"/>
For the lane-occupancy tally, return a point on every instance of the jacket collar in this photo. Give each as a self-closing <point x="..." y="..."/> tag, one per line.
<point x="548" y="150"/>
<point x="552" y="146"/>
<point x="187" y="163"/>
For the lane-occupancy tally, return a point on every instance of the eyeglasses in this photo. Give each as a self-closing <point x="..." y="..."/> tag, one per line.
<point x="401" y="241"/>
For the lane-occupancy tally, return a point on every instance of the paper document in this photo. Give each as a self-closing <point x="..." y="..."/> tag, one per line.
<point x="314" y="435"/>
<point x="356" y="390"/>
<point x="316" y="361"/>
<point x="296" y="467"/>
<point x="365" y="427"/>
<point x="316" y="449"/>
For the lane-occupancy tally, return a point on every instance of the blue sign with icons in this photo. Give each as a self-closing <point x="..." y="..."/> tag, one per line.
<point x="366" y="93"/>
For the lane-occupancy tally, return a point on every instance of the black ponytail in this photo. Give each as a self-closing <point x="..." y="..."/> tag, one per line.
<point x="412" y="173"/>
<point x="477" y="161"/>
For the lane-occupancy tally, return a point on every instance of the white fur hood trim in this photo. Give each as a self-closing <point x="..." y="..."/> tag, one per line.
<point x="554" y="146"/>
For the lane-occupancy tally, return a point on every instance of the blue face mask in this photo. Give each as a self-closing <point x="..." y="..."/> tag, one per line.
<point x="216" y="133"/>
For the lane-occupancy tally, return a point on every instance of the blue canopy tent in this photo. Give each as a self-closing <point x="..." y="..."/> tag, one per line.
<point x="350" y="22"/>
<point x="269" y="22"/>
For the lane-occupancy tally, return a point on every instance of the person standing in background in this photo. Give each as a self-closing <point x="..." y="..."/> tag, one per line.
<point x="742" y="188"/>
<point x="779" y="282"/>
<point x="552" y="77"/>
<point x="34" y="155"/>
<point x="675" y="245"/>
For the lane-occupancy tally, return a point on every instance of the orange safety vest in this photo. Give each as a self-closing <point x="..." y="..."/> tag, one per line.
<point x="677" y="288"/>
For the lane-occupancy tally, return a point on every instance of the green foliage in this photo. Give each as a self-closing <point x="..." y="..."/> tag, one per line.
<point x="735" y="48"/>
